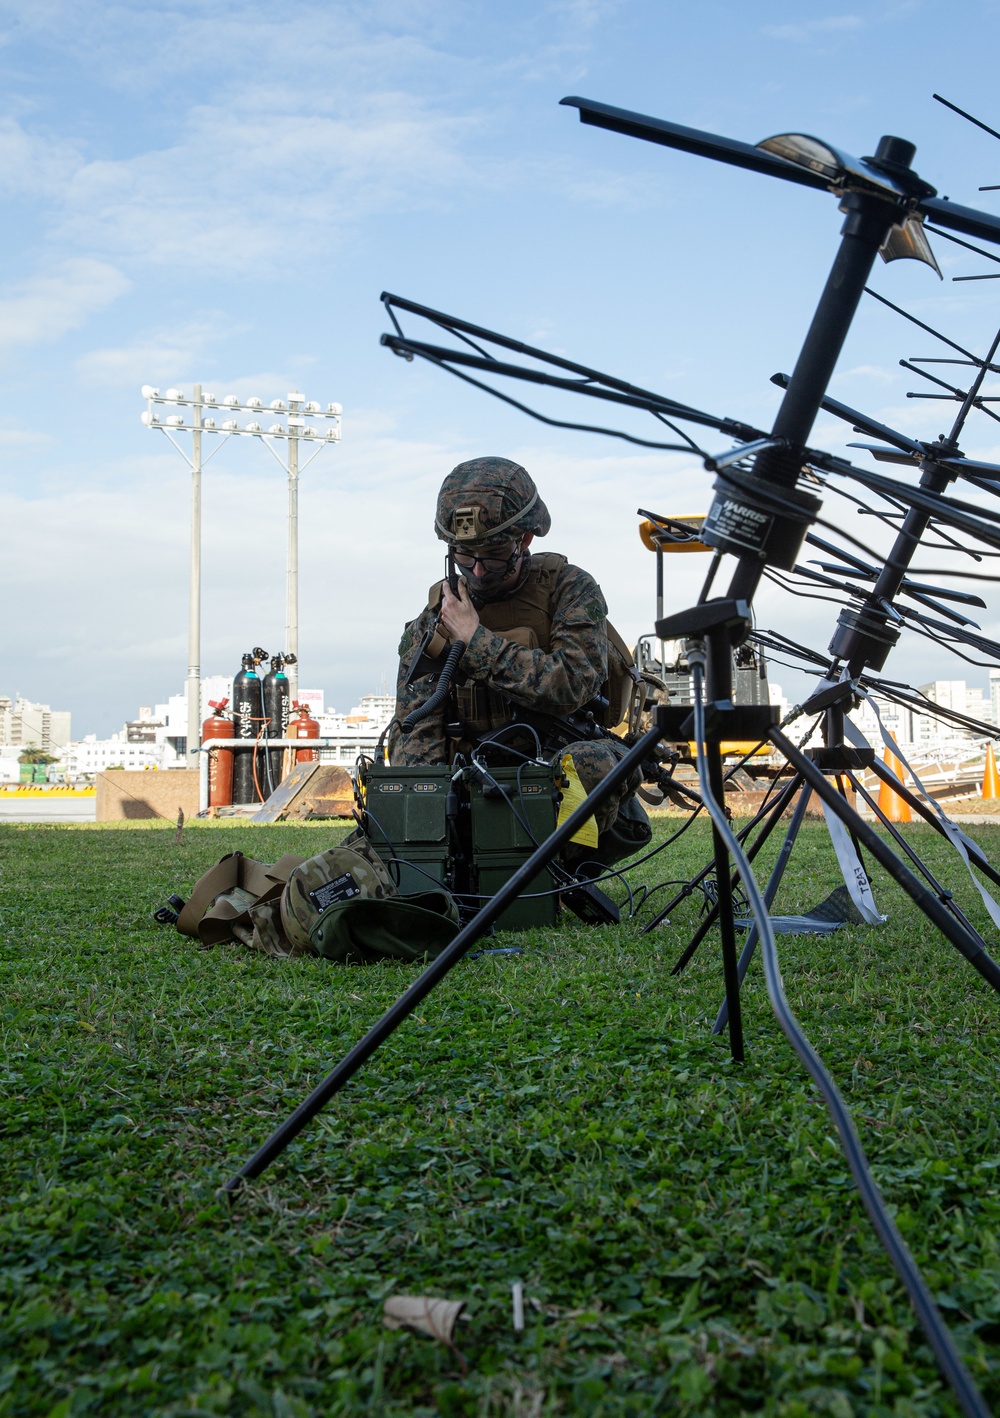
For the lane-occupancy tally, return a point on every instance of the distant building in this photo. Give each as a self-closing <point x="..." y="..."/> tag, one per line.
<point x="916" y="731"/>
<point x="953" y="694"/>
<point x="358" y="731"/>
<point x="143" y="729"/>
<point x="168" y="723"/>
<point x="379" y="706"/>
<point x="897" y="719"/>
<point x="155" y="738"/>
<point x="27" y="725"/>
<point x="10" y="768"/>
<point x="93" y="755"/>
<point x="312" y="699"/>
<point x="995" y="696"/>
<point x="775" y="696"/>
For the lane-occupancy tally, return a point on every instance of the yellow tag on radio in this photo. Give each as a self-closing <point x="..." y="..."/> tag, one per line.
<point x="572" y="796"/>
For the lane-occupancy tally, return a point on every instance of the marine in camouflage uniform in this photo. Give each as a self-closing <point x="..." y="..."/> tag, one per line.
<point x="491" y="505"/>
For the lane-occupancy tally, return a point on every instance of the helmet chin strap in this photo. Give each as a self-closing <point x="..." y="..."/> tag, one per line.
<point x="486" y="588"/>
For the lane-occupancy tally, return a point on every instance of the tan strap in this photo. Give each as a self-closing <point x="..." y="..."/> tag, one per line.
<point x="222" y="898"/>
<point x="256" y="876"/>
<point x="284" y="867"/>
<point x="222" y="877"/>
<point x="226" y="914"/>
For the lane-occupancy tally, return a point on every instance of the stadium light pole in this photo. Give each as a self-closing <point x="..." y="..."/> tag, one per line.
<point x="293" y="430"/>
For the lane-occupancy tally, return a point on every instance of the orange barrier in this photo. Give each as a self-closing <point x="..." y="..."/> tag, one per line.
<point x="896" y="809"/>
<point x="991" y="778"/>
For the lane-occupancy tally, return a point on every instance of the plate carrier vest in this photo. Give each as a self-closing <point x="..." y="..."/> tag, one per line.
<point x="526" y="618"/>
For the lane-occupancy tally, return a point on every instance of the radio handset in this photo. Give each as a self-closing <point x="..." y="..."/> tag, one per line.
<point x="427" y="660"/>
<point x="451" y="571"/>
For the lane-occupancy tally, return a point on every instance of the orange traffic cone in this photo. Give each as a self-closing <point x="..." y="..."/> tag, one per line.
<point x="896" y="809"/>
<point x="991" y="778"/>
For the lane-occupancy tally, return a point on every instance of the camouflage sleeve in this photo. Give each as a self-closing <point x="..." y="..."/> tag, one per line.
<point x="564" y="677"/>
<point x="426" y="742"/>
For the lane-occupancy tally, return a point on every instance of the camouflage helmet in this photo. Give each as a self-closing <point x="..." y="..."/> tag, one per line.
<point x="487" y="499"/>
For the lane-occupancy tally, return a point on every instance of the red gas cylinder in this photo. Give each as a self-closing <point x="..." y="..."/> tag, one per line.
<point x="220" y="761"/>
<point x="303" y="726"/>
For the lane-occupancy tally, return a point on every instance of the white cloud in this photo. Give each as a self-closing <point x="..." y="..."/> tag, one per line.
<point x="244" y="192"/>
<point x="162" y="357"/>
<point x="616" y="190"/>
<point x="46" y="307"/>
<point x="271" y="171"/>
<point x="868" y="372"/>
<point x="23" y="440"/>
<point x="806" y="30"/>
<point x="31" y="165"/>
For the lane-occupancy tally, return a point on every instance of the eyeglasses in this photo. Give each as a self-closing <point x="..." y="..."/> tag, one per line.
<point x="497" y="557"/>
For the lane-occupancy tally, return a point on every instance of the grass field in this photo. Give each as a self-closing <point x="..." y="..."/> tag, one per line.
<point x="686" y="1231"/>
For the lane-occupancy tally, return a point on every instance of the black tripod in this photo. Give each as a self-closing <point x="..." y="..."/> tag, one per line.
<point x="841" y="762"/>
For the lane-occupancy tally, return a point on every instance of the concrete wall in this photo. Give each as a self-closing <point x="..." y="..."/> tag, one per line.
<point x="123" y="795"/>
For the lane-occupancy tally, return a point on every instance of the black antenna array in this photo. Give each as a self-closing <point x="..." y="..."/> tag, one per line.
<point x="767" y="499"/>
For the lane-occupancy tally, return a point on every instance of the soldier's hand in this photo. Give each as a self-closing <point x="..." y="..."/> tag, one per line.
<point x="458" y="615"/>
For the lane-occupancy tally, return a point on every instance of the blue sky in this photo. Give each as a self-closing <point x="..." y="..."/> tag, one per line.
<point x="219" y="191"/>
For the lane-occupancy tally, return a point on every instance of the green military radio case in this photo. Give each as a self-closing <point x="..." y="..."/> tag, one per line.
<point x="467" y="829"/>
<point x="405" y="813"/>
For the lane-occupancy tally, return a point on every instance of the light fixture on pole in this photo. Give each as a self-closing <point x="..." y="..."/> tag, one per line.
<point x="291" y="426"/>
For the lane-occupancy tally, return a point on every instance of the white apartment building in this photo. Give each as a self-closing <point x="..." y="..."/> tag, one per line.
<point x="921" y="733"/>
<point x="952" y="694"/>
<point x="956" y="694"/>
<point x="27" y="725"/>
<point x="380" y="707"/>
<point x="358" y="731"/>
<point x="995" y="696"/>
<point x="776" y="696"/>
<point x="93" y="755"/>
<point x="896" y="718"/>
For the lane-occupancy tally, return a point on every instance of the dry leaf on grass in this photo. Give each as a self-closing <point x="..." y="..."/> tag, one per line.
<point x="423" y="1313"/>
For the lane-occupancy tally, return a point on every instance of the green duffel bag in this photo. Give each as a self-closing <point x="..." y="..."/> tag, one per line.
<point x="343" y="905"/>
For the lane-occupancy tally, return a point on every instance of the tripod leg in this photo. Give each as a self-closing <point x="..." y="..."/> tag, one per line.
<point x="975" y="855"/>
<point x="942" y="892"/>
<point x="774" y="813"/>
<point x="770" y="892"/>
<point x="727" y="930"/>
<point x="963" y="941"/>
